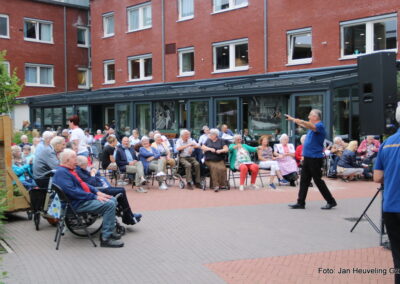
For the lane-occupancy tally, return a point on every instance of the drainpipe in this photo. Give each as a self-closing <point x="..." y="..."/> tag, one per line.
<point x="265" y="36"/>
<point x="89" y="24"/>
<point x="163" y="39"/>
<point x="65" y="52"/>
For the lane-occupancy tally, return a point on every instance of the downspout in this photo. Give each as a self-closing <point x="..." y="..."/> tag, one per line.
<point x="65" y="52"/>
<point x="265" y="36"/>
<point x="89" y="24"/>
<point x="163" y="40"/>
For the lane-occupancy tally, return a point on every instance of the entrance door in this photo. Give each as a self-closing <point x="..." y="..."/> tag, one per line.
<point x="143" y="118"/>
<point x="109" y="115"/>
<point x="227" y="113"/>
<point x="199" y="115"/>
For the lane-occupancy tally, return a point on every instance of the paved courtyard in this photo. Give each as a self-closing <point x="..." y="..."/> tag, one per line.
<point x="206" y="237"/>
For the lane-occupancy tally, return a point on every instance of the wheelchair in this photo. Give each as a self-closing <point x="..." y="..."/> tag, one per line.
<point x="181" y="173"/>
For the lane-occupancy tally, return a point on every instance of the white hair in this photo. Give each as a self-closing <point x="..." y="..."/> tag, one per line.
<point x="81" y="160"/>
<point x="47" y="135"/>
<point x="183" y="131"/>
<point x="204" y="127"/>
<point x="236" y="136"/>
<point x="283" y="136"/>
<point x="145" y="138"/>
<point x="214" y="131"/>
<point x="303" y="138"/>
<point x="57" y="140"/>
<point x="66" y="155"/>
<point x="337" y="139"/>
<point x="158" y="135"/>
<point x="24" y="137"/>
<point x="398" y="112"/>
<point x="317" y="112"/>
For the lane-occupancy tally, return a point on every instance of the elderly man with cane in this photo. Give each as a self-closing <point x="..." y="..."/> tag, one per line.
<point x="313" y="159"/>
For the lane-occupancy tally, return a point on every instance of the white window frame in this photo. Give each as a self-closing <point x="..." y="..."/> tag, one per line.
<point x="86" y="45"/>
<point x="37" y="22"/>
<point x="38" y="66"/>
<point x="88" y="78"/>
<point x="105" y="65"/>
<point x="140" y="8"/>
<point x="107" y="15"/>
<point x="7" y="67"/>
<point x="8" y="26"/>
<point x="369" y="34"/>
<point x="141" y="67"/>
<point x="232" y="6"/>
<point x="180" y="12"/>
<point x="290" y="44"/>
<point x="232" y="44"/>
<point x="182" y="51"/>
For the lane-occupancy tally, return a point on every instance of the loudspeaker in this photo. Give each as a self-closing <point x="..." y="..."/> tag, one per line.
<point x="377" y="74"/>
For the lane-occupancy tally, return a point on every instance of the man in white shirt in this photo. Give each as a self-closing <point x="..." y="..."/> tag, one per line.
<point x="78" y="137"/>
<point x="203" y="138"/>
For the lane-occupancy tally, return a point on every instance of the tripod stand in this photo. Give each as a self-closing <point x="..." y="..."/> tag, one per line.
<point x="381" y="230"/>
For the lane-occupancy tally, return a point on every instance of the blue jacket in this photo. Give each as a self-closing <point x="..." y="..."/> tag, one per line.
<point x="72" y="188"/>
<point x="348" y="160"/>
<point x="86" y="177"/>
<point x="144" y="154"/>
<point x="121" y="159"/>
<point x="21" y="170"/>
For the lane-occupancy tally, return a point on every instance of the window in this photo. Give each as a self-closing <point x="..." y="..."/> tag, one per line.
<point x="231" y="56"/>
<point x="108" y="25"/>
<point x="186" y="61"/>
<point x="186" y="9"/>
<point x="299" y="46"/>
<point x="83" y="78"/>
<point x="6" y="68"/>
<point x="368" y="35"/>
<point x="4" y="26"/>
<point x="224" y="5"/>
<point x="140" y="67"/>
<point x="109" y="72"/>
<point x="139" y="17"/>
<point x="38" y="30"/>
<point x="39" y="75"/>
<point x="83" y="37"/>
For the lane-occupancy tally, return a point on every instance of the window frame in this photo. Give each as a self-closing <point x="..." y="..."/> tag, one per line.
<point x="180" y="17"/>
<point x="232" y="44"/>
<point x="86" y="29"/>
<point x="369" y="34"/>
<point x="104" y="16"/>
<point x="88" y="78"/>
<point x="105" y="73"/>
<point x="37" y="22"/>
<point x="140" y="8"/>
<point x="8" y="26"/>
<point x="182" y="51"/>
<point x="7" y="63"/>
<point x="232" y="6"/>
<point x="141" y="67"/>
<point x="38" y="66"/>
<point x="290" y="35"/>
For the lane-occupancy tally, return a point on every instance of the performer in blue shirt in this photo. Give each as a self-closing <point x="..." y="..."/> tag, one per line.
<point x="313" y="148"/>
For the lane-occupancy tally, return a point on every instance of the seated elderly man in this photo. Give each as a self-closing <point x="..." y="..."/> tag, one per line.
<point x="368" y="149"/>
<point x="24" y="141"/>
<point x="186" y="145"/>
<point x="86" y="198"/>
<point x="129" y="163"/>
<point x="338" y="146"/>
<point x="92" y="177"/>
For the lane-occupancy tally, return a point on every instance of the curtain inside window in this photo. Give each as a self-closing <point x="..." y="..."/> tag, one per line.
<point x="30" y="29"/>
<point x="46" y="76"/>
<point x="221" y="5"/>
<point x="187" y="8"/>
<point x="45" y="32"/>
<point x="133" y="20"/>
<point x="3" y="26"/>
<point x="147" y="16"/>
<point x="30" y="74"/>
<point x="240" y="2"/>
<point x="110" y="25"/>
<point x="82" y="78"/>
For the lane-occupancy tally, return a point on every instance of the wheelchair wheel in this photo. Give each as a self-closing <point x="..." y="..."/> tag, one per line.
<point x="36" y="220"/>
<point x="203" y="183"/>
<point x="120" y="229"/>
<point x="181" y="184"/>
<point x="92" y="222"/>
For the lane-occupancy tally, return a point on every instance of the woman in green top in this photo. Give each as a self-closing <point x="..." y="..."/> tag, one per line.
<point x="239" y="159"/>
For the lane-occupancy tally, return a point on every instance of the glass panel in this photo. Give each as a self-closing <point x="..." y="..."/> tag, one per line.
<point x="3" y="26"/>
<point x="398" y="85"/>
<point x="46" y="76"/>
<point x="83" y="112"/>
<point x="221" y="5"/>
<point x="188" y="62"/>
<point x="240" y="2"/>
<point x="31" y="75"/>
<point x="166" y="115"/>
<point x="241" y="55"/>
<point x="385" y="35"/>
<point x="109" y="23"/>
<point x="48" y="117"/>
<point x="301" y="45"/>
<point x="37" y="118"/>
<point x="227" y="112"/>
<point x="82" y="36"/>
<point x="148" y="69"/>
<point x="57" y="117"/>
<point x="69" y="111"/>
<point x="134" y="19"/>
<point x="199" y="116"/>
<point x="82" y="78"/>
<point x="123" y="118"/>
<point x="135" y="69"/>
<point x="45" y="32"/>
<point x="187" y="8"/>
<point x="222" y="57"/>
<point x="341" y="112"/>
<point x="143" y="118"/>
<point x="30" y="29"/>
<point x="303" y="105"/>
<point x="147" y="16"/>
<point x="355" y="110"/>
<point x="354" y="39"/>
<point x="111" y="72"/>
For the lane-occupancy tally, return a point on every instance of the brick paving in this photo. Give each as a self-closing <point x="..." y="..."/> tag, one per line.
<point x="206" y="237"/>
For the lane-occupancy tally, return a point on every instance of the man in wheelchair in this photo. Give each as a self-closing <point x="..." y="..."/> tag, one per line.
<point x="86" y="198"/>
<point x="93" y="178"/>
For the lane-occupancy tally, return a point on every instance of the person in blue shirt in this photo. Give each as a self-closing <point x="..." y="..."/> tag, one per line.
<point x="386" y="171"/>
<point x="313" y="148"/>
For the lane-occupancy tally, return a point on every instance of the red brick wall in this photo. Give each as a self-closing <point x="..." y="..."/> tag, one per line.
<point x="20" y="51"/>
<point x="324" y="17"/>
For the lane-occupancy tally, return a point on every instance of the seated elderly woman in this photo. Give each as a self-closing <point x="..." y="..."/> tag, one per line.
<point x="163" y="148"/>
<point x="348" y="167"/>
<point x="299" y="151"/>
<point x="239" y="159"/>
<point x="151" y="160"/>
<point x="27" y="156"/>
<point x="368" y="149"/>
<point x="285" y="152"/>
<point x="215" y="150"/>
<point x="338" y="146"/>
<point x="21" y="169"/>
<point x="268" y="161"/>
<point x="134" y="138"/>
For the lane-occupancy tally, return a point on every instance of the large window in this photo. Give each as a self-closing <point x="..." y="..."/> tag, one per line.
<point x="37" y="118"/>
<point x="186" y="61"/>
<point x="186" y="9"/>
<point x="140" y="67"/>
<point x="369" y="35"/>
<point x="227" y="113"/>
<point x="346" y="113"/>
<point x="4" y="26"/>
<point x="6" y="68"/>
<point x="223" y="5"/>
<point x="166" y="116"/>
<point x="108" y="24"/>
<point x="83" y="78"/>
<point x="38" y="30"/>
<point x="109" y="72"/>
<point x="123" y="117"/>
<point x="83" y="37"/>
<point x="143" y="118"/>
<point x="199" y="115"/>
<point x="231" y="56"/>
<point x="39" y="75"/>
<point x="299" y="46"/>
<point x="83" y="112"/>
<point x="139" y="17"/>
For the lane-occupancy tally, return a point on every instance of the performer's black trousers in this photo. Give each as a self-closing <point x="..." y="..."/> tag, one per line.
<point x="392" y="222"/>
